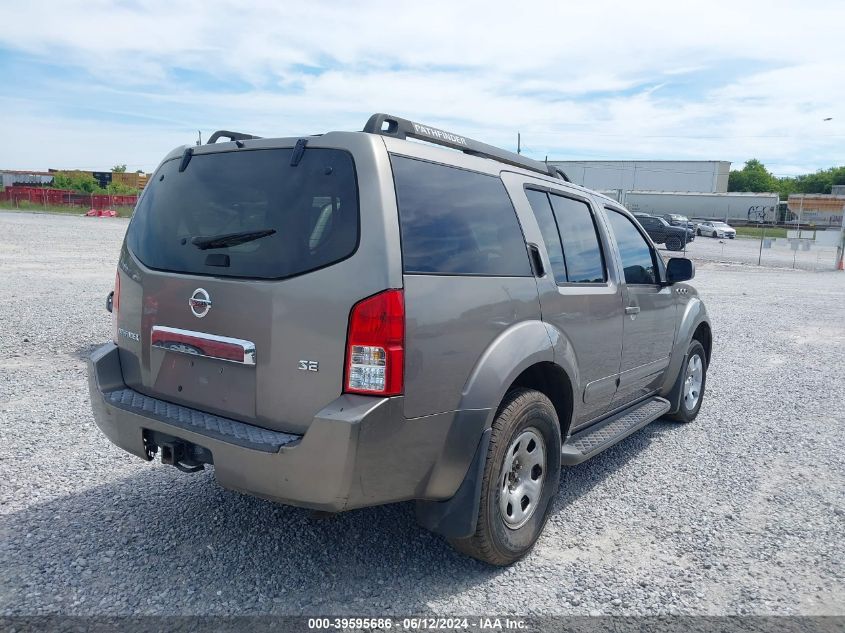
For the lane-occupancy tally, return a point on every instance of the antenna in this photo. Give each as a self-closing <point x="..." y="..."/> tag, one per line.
<point x="199" y="138"/>
<point x="518" y="143"/>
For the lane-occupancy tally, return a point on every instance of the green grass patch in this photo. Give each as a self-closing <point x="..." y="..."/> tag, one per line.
<point x="31" y="207"/>
<point x="757" y="231"/>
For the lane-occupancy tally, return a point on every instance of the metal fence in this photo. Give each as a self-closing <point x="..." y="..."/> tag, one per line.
<point x="45" y="197"/>
<point x="801" y="254"/>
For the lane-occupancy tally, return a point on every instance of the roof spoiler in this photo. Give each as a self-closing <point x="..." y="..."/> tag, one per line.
<point x="397" y="127"/>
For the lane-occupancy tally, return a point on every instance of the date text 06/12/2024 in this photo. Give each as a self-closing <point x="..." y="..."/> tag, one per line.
<point x="419" y="623"/>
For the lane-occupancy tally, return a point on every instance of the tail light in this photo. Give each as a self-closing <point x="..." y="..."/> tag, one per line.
<point x="375" y="346"/>
<point x="115" y="305"/>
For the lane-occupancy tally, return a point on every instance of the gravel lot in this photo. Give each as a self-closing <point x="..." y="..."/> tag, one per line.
<point x="740" y="512"/>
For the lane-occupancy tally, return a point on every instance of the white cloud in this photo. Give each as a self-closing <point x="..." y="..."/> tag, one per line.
<point x="720" y="80"/>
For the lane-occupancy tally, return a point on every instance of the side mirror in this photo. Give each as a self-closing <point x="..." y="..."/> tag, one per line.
<point x="679" y="269"/>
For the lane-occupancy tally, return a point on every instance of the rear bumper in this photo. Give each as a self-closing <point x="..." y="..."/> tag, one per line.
<point x="358" y="451"/>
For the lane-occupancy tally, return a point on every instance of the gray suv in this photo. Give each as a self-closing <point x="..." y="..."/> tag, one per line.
<point x="352" y="319"/>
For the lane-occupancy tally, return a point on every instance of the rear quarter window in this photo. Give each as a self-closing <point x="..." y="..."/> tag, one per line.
<point x="456" y="222"/>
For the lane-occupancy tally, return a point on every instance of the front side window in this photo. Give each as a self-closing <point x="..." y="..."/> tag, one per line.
<point x="456" y="222"/>
<point x="637" y="257"/>
<point x="581" y="249"/>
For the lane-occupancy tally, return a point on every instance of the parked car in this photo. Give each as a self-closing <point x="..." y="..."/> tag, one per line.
<point x="714" y="228"/>
<point x="661" y="232"/>
<point x="269" y="321"/>
<point x="676" y="219"/>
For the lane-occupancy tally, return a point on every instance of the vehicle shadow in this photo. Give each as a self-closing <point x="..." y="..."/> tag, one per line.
<point x="161" y="541"/>
<point x="576" y="481"/>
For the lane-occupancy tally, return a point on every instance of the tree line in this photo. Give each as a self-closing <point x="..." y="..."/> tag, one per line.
<point x="86" y="183"/>
<point x="755" y="177"/>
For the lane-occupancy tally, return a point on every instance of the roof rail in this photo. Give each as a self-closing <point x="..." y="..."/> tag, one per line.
<point x="555" y="170"/>
<point x="400" y="128"/>
<point x="232" y="136"/>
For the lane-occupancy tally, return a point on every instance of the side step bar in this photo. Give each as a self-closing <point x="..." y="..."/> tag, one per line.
<point x="592" y="440"/>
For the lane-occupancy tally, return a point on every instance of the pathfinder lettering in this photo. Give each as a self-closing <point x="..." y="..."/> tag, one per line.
<point x="132" y="336"/>
<point x="439" y="134"/>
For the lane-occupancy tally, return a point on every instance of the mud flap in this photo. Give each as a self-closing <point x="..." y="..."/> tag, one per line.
<point x="674" y="396"/>
<point x="457" y="517"/>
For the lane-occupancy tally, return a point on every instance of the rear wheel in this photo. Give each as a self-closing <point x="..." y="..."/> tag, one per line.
<point x="674" y="243"/>
<point x="693" y="379"/>
<point x="521" y="477"/>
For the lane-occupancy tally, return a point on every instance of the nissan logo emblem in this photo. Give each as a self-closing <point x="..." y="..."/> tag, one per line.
<point x="200" y="303"/>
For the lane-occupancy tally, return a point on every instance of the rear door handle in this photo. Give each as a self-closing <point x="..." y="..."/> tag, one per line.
<point x="632" y="310"/>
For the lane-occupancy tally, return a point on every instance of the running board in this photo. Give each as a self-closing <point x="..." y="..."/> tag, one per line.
<point x="592" y="440"/>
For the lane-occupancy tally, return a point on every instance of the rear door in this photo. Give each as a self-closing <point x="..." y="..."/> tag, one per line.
<point x="649" y="324"/>
<point x="578" y="297"/>
<point x="238" y="274"/>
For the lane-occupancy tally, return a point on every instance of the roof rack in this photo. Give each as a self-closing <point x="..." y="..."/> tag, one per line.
<point x="400" y="128"/>
<point x="232" y="136"/>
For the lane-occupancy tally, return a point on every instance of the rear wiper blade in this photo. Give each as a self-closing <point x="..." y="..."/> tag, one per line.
<point x="230" y="239"/>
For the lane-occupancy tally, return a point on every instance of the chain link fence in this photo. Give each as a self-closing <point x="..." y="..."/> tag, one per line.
<point x="800" y="254"/>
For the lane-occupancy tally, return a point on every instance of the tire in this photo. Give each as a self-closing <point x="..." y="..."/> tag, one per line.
<point x="504" y="532"/>
<point x="689" y="408"/>
<point x="714" y="234"/>
<point x="674" y="243"/>
<point x="698" y="232"/>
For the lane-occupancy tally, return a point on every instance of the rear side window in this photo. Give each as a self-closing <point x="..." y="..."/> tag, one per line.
<point x="539" y="201"/>
<point x="637" y="259"/>
<point x="584" y="262"/>
<point x="307" y="214"/>
<point x="456" y="222"/>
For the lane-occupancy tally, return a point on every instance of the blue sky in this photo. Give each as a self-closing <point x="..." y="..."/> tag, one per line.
<point x="91" y="84"/>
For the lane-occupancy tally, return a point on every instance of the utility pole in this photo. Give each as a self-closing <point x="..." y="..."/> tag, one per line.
<point x="800" y="212"/>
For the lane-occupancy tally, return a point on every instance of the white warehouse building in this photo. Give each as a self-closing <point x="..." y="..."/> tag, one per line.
<point x="694" y="188"/>
<point x="699" y="176"/>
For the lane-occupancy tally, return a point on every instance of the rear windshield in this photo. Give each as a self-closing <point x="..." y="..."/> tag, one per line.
<point x="307" y="214"/>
